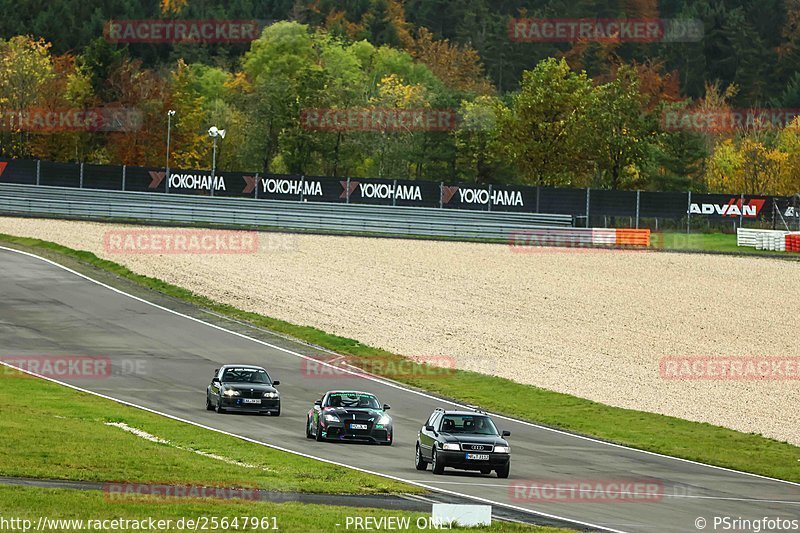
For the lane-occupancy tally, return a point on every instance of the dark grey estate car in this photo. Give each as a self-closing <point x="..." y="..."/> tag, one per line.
<point x="244" y="388"/>
<point x="465" y="440"/>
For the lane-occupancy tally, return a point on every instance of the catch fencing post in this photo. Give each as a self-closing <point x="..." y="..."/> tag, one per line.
<point x="302" y="192"/>
<point x="38" y="170"/>
<point x="80" y="183"/>
<point x="741" y="208"/>
<point x="394" y="193"/>
<point x="537" y="198"/>
<point x="689" y="214"/>
<point x="638" y="203"/>
<point x="587" y="206"/>
<point x="441" y="194"/>
<point x="256" y="186"/>
<point x="124" y="168"/>
<point x="490" y="198"/>
<point x="347" y="192"/>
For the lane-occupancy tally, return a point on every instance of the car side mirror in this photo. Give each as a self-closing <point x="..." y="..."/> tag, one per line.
<point x="215" y="380"/>
<point x="318" y="403"/>
<point x="429" y="428"/>
<point x="386" y="407"/>
<point x="506" y="433"/>
<point x="276" y="383"/>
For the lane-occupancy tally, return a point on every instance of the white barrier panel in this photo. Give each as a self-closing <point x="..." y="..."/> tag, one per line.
<point x="604" y="236"/>
<point x="749" y="237"/>
<point x="463" y="515"/>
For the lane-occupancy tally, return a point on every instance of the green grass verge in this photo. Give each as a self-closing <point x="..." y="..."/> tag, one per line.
<point x="707" y="242"/>
<point x="63" y="504"/>
<point x="657" y="433"/>
<point x="61" y="433"/>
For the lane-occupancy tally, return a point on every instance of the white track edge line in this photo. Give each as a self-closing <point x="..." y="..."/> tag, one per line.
<point x="394" y="385"/>
<point x="307" y="456"/>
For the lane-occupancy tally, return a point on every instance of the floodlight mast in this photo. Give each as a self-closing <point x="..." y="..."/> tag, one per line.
<point x="214" y="132"/>
<point x="170" y="114"/>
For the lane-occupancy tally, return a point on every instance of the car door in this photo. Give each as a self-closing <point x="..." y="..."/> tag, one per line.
<point x="214" y="386"/>
<point x="427" y="438"/>
<point x="317" y="411"/>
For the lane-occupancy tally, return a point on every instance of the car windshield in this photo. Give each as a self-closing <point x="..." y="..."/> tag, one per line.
<point x="246" y="375"/>
<point x="353" y="399"/>
<point x="478" y="425"/>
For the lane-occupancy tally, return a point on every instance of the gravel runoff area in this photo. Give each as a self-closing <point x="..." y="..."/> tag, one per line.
<point x="594" y="324"/>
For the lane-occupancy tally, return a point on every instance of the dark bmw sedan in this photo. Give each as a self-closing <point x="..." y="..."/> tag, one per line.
<point x="243" y="388"/>
<point x="463" y="440"/>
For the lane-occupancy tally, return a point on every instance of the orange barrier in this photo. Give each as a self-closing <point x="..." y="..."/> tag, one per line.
<point x="633" y="237"/>
<point x="793" y="242"/>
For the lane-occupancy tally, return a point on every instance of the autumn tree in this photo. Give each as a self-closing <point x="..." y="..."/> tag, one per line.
<point x="458" y="66"/>
<point x="545" y="133"/>
<point x="25" y="67"/>
<point x="748" y="165"/>
<point x="143" y="92"/>
<point x="623" y="133"/>
<point x="479" y="153"/>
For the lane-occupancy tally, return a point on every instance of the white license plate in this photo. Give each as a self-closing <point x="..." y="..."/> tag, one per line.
<point x="358" y="426"/>
<point x="251" y="400"/>
<point x="478" y="456"/>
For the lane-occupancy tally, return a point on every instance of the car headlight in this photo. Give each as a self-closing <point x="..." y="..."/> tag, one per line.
<point x="271" y="395"/>
<point x="385" y="420"/>
<point x="451" y="446"/>
<point x="231" y="392"/>
<point x="502" y="449"/>
<point x="332" y="418"/>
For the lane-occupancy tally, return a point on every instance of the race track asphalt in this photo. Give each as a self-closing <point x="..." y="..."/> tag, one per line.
<point x="164" y="360"/>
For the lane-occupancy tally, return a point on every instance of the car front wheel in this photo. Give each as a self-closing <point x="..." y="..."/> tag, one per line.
<point x="419" y="462"/>
<point x="318" y="434"/>
<point x="220" y="410"/>
<point x="436" y="465"/>
<point x="209" y="405"/>
<point x="503" y="471"/>
<point x="309" y="435"/>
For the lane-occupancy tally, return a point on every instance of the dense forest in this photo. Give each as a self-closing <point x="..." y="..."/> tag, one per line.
<point x="581" y="112"/>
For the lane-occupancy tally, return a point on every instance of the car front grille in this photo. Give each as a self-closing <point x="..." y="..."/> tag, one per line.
<point x="247" y="393"/>
<point x="477" y="447"/>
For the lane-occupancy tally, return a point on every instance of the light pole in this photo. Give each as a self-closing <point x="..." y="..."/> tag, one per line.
<point x="170" y="114"/>
<point x="214" y="132"/>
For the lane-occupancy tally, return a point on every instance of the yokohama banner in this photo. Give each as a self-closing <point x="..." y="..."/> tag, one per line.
<point x="416" y="193"/>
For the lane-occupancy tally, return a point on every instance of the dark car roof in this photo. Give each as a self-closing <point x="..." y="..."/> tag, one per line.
<point x="254" y="367"/>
